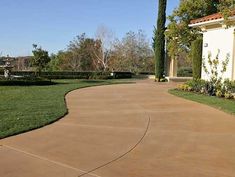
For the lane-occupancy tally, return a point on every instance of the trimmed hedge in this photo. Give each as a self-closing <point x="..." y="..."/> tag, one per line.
<point x="25" y="81"/>
<point x="185" y="72"/>
<point x="146" y="73"/>
<point x="122" y="75"/>
<point x="73" y="75"/>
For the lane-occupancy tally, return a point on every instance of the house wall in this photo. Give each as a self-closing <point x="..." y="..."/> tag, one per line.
<point x="219" y="39"/>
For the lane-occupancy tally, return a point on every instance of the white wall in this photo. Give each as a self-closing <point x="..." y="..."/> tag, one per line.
<point x="219" y="39"/>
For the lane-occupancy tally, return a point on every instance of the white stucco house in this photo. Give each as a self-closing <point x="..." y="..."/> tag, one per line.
<point x="217" y="36"/>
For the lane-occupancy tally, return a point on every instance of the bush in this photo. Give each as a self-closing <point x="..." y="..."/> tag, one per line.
<point x="185" y="72"/>
<point x="26" y="82"/>
<point x="73" y="75"/>
<point x="225" y="89"/>
<point x="219" y="93"/>
<point x="229" y="86"/>
<point x="228" y="95"/>
<point x="122" y="75"/>
<point x="64" y="75"/>
<point x="197" y="58"/>
<point x="146" y="73"/>
<point x="197" y="85"/>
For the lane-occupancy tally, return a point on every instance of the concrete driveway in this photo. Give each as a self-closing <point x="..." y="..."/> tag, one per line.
<point x="131" y="130"/>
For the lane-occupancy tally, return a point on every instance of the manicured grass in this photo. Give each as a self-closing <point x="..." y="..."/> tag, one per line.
<point x="24" y="108"/>
<point x="219" y="103"/>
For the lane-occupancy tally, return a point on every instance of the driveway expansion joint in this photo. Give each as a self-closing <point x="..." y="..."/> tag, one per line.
<point x="123" y="155"/>
<point x="48" y="160"/>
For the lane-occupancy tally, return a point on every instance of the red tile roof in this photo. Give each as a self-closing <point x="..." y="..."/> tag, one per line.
<point x="209" y="18"/>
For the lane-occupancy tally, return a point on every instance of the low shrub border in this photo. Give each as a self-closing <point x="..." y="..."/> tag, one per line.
<point x="185" y="72"/>
<point x="225" y="89"/>
<point x="25" y="82"/>
<point x="75" y="75"/>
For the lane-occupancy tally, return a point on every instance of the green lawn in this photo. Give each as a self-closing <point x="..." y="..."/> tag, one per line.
<point x="219" y="103"/>
<point x="24" y="108"/>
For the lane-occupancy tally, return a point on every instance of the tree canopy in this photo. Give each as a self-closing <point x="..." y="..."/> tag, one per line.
<point x="179" y="34"/>
<point x="40" y="58"/>
<point x="132" y="53"/>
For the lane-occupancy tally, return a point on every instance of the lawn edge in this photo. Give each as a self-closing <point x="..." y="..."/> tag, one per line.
<point x="171" y="91"/>
<point x="66" y="109"/>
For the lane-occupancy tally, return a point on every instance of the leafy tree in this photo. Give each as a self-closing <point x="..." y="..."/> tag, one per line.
<point x="179" y="34"/>
<point x="54" y="64"/>
<point x="132" y="53"/>
<point x="79" y="56"/>
<point x="40" y="58"/>
<point x="160" y="40"/>
<point x="81" y="49"/>
<point x="226" y="7"/>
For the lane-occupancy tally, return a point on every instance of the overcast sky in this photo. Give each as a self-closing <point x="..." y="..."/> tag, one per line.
<point x="53" y="23"/>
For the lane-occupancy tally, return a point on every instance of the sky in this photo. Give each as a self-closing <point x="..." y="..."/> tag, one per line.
<point x="53" y="23"/>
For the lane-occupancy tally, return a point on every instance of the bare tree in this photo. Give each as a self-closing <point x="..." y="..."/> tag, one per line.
<point x="74" y="61"/>
<point x="132" y="53"/>
<point x="102" y="48"/>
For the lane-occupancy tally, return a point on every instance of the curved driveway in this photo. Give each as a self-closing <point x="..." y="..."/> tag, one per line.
<point x="130" y="130"/>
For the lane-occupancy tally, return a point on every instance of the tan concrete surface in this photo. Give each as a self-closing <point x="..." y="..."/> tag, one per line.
<point x="131" y="130"/>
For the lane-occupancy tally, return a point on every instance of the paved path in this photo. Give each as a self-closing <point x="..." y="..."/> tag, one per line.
<point x="136" y="130"/>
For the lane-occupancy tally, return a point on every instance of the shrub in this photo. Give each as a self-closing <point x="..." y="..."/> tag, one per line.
<point x="214" y="72"/>
<point x="74" y="75"/>
<point x="164" y="80"/>
<point x="197" y="85"/>
<point x="228" y="95"/>
<point x="122" y="75"/>
<point x="197" y="58"/>
<point x="146" y="73"/>
<point x="25" y="82"/>
<point x="184" y="87"/>
<point x="229" y="86"/>
<point x="219" y="93"/>
<point x="224" y="89"/>
<point x="185" y="72"/>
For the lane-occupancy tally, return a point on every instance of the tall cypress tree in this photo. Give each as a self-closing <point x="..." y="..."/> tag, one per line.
<point x="160" y="40"/>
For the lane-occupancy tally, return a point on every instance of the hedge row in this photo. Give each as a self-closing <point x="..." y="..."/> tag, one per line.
<point x="185" y="72"/>
<point x="26" y="82"/>
<point x="74" y="75"/>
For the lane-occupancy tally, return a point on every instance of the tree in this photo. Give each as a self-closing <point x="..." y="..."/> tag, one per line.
<point x="197" y="58"/>
<point x="83" y="49"/>
<point x="179" y="34"/>
<point x="132" y="53"/>
<point x="226" y="7"/>
<point x="40" y="58"/>
<point x="102" y="48"/>
<point x="79" y="56"/>
<point x="160" y="40"/>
